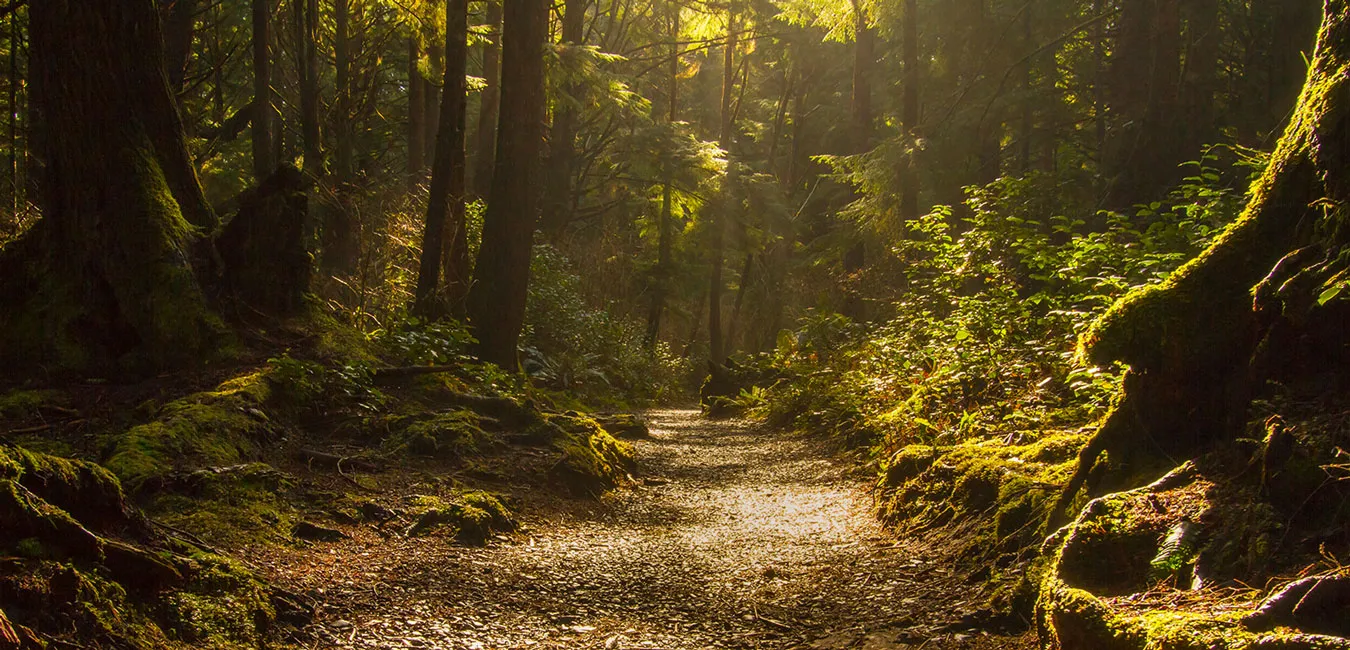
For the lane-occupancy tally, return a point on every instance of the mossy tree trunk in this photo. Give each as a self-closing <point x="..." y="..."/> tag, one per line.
<point x="106" y="279"/>
<point x="1264" y="301"/>
<point x="496" y="301"/>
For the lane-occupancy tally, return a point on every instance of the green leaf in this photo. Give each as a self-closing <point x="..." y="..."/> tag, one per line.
<point x="1331" y="293"/>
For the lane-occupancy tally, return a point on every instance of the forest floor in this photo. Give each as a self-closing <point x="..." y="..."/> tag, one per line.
<point x="733" y="536"/>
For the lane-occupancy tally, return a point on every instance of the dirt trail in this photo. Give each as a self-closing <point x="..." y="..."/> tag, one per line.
<point x="734" y="538"/>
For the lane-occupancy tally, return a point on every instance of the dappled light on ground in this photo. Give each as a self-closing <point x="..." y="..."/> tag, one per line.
<point x="733" y="537"/>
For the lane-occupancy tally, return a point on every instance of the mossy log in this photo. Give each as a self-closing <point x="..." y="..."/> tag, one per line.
<point x="1263" y="294"/>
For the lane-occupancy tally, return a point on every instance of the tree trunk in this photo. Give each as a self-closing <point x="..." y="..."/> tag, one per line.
<point x="1268" y="300"/>
<point x="1145" y="150"/>
<point x="909" y="113"/>
<point x="180" y="22"/>
<point x="716" y="346"/>
<point x="263" y="108"/>
<point x="562" y="137"/>
<point x="490" y="101"/>
<point x="308" y="13"/>
<point x="496" y="302"/>
<point x="664" y="243"/>
<point x="864" y="55"/>
<point x="447" y="180"/>
<point x="105" y="282"/>
<point x="341" y="232"/>
<point x="416" y="113"/>
<point x="431" y="94"/>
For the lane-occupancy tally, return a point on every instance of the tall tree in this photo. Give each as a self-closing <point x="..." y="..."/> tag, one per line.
<point x="864" y="56"/>
<point x="909" y="112"/>
<point x="496" y="302"/>
<point x="263" y="107"/>
<point x="180" y="24"/>
<point x="716" y="345"/>
<point x="105" y="280"/>
<point x="562" y="136"/>
<point x="665" y="235"/>
<point x="447" y="179"/>
<point x="416" y="111"/>
<point x="307" y="14"/>
<point x="485" y="137"/>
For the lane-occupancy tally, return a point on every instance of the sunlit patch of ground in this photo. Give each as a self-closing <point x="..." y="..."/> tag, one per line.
<point x="734" y="537"/>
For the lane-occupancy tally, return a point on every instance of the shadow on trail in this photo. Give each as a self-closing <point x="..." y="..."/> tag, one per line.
<point x="737" y="538"/>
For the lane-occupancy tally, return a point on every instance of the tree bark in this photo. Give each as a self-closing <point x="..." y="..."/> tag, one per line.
<point x="664" y="241"/>
<point x="341" y="232"/>
<point x="490" y="101"/>
<point x="180" y="22"/>
<point x="562" y="136"/>
<point x="496" y="302"/>
<point x="416" y="113"/>
<point x="447" y="180"/>
<point x="105" y="281"/>
<point x="431" y="94"/>
<point x="308" y="13"/>
<point x="263" y="108"/>
<point x="1268" y="300"/>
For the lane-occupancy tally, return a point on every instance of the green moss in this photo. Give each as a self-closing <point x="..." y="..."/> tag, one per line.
<point x="246" y="505"/>
<point x="471" y="517"/>
<point x="223" y="606"/>
<point x="452" y="434"/>
<point x="923" y="485"/>
<point x="592" y="460"/>
<point x="221" y="427"/>
<point x="25" y="403"/>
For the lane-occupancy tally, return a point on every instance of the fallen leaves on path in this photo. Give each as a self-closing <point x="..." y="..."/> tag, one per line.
<point x="737" y="538"/>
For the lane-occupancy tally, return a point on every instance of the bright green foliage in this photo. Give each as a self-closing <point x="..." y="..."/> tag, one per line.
<point x="980" y="342"/>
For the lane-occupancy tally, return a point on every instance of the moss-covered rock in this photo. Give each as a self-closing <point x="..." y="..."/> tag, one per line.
<point x="470" y="517"/>
<point x="1006" y="485"/>
<point x="447" y="434"/>
<point x="592" y="460"/>
<point x="215" y="428"/>
<point x="236" y="506"/>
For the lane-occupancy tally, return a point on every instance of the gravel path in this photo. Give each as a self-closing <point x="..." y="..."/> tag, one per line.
<point x="734" y="537"/>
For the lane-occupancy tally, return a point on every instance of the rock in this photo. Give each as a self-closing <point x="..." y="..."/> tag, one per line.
<point x="316" y="533"/>
<point x="375" y="512"/>
<point x="624" y="425"/>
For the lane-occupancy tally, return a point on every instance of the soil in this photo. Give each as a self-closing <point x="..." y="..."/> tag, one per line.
<point x="733" y="536"/>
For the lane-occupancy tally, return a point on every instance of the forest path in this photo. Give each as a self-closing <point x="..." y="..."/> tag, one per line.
<point x="736" y="537"/>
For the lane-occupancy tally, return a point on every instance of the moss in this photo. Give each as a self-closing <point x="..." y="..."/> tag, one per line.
<point x="221" y="427"/>
<point x="223" y="606"/>
<point x="923" y="485"/>
<point x="91" y="493"/>
<point x="592" y="460"/>
<point x="246" y="505"/>
<point x="452" y="434"/>
<point x="26" y="403"/>
<point x="75" y="604"/>
<point x="471" y="517"/>
<point x="1068" y="619"/>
